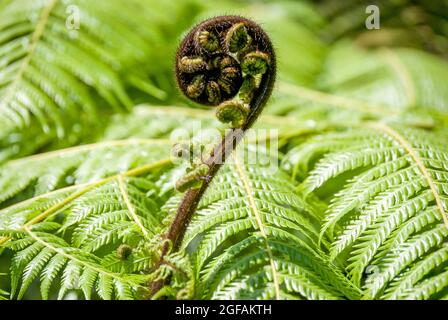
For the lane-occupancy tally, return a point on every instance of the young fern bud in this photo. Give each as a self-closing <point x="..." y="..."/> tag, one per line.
<point x="183" y="151"/>
<point x="226" y="62"/>
<point x="192" y="179"/>
<point x="219" y="59"/>
<point x="213" y="92"/>
<point x="124" y="251"/>
<point x="234" y="112"/>
<point x="255" y="63"/>
<point x="192" y="64"/>
<point x="237" y="38"/>
<point x="196" y="87"/>
<point x="247" y="89"/>
<point x="207" y="40"/>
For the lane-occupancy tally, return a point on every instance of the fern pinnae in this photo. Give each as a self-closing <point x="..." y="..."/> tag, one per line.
<point x="78" y="261"/>
<point x="429" y="287"/>
<point x="301" y="157"/>
<point x="400" y="287"/>
<point x="359" y="191"/>
<point x="321" y="266"/>
<point x="40" y="26"/>
<point x="337" y="163"/>
<point x="109" y="234"/>
<point x="49" y="274"/>
<point x="382" y="208"/>
<point x="215" y="269"/>
<point x="416" y="158"/>
<point x="255" y="212"/>
<point x="57" y="165"/>
<point x="216" y="236"/>
<point x="229" y="281"/>
<point x="413" y="225"/>
<point x="304" y="282"/>
<point x="370" y="242"/>
<point x="379" y="204"/>
<point x="61" y="203"/>
<point x="392" y="264"/>
<point x="130" y="207"/>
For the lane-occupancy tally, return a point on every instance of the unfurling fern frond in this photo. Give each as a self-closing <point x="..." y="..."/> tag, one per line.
<point x="358" y="208"/>
<point x="389" y="221"/>
<point x="252" y="238"/>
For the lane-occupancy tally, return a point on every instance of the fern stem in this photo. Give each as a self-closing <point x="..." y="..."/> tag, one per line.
<point x="228" y="144"/>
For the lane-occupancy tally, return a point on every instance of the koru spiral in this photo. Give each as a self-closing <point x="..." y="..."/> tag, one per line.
<point x="228" y="62"/>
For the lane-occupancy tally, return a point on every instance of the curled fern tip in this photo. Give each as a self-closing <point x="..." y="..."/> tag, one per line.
<point x="226" y="58"/>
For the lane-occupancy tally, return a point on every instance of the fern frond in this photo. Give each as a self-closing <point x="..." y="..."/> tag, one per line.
<point x="252" y="238"/>
<point x="50" y="256"/>
<point x="397" y="73"/>
<point x="43" y="57"/>
<point x="64" y="65"/>
<point x="405" y="283"/>
<point x="46" y="172"/>
<point x="391" y="213"/>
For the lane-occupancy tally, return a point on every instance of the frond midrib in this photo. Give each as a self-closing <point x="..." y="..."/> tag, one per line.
<point x="254" y="209"/>
<point x="407" y="146"/>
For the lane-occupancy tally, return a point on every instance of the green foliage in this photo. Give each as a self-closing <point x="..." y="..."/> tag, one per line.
<point x="59" y="71"/>
<point x="388" y="216"/>
<point x="353" y="211"/>
<point x="253" y="238"/>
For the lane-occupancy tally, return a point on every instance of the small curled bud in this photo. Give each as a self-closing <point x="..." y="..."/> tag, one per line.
<point x="192" y="179"/>
<point x="234" y="112"/>
<point x="196" y="87"/>
<point x="192" y="64"/>
<point x="227" y="79"/>
<point x="237" y="38"/>
<point x="213" y="92"/>
<point x="182" y="150"/>
<point x="207" y="40"/>
<point x="124" y="251"/>
<point x="255" y="63"/>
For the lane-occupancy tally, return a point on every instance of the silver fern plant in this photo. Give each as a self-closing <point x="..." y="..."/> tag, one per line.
<point x="356" y="210"/>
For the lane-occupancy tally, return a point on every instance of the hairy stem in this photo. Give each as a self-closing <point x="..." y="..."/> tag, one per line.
<point x="222" y="150"/>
